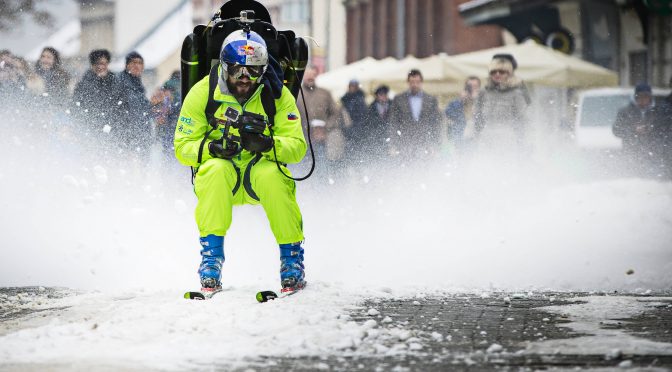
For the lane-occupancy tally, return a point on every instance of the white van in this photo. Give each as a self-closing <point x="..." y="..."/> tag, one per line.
<point x="596" y="112"/>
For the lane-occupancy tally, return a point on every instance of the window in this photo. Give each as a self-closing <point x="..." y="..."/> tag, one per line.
<point x="295" y="11"/>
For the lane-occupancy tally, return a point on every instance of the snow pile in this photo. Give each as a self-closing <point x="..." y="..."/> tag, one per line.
<point x="160" y="330"/>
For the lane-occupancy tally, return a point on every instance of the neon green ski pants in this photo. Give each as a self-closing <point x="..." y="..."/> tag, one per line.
<point x="220" y="184"/>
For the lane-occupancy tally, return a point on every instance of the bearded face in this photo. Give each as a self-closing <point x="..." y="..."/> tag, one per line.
<point x="242" y="80"/>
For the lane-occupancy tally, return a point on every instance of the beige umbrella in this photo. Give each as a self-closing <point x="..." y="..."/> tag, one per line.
<point x="439" y="74"/>
<point x="539" y="64"/>
<point x="336" y="80"/>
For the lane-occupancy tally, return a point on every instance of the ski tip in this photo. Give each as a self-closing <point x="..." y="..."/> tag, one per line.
<point x="194" y="296"/>
<point x="265" y="296"/>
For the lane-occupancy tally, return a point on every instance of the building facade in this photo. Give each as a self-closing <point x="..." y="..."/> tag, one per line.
<point x="396" y="28"/>
<point x="321" y="22"/>
<point x="632" y="37"/>
<point x="154" y="28"/>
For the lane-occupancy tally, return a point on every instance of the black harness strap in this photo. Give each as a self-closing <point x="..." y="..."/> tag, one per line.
<point x="237" y="186"/>
<point x="246" y="178"/>
<point x="212" y="105"/>
<point x="268" y="103"/>
<point x="210" y="109"/>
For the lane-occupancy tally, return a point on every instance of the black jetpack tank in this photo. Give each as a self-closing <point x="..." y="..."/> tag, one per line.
<point x="200" y="49"/>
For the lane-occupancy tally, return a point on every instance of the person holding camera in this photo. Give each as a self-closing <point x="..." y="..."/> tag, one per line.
<point x="237" y="154"/>
<point x="460" y="113"/>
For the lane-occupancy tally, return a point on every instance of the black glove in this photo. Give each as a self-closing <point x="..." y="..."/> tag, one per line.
<point x="252" y="137"/>
<point x="220" y="150"/>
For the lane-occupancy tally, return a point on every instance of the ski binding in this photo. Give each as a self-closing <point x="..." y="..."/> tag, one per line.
<point x="265" y="296"/>
<point x="203" y="294"/>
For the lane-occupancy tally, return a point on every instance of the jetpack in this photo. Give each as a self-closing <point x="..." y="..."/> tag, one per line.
<point x="200" y="49"/>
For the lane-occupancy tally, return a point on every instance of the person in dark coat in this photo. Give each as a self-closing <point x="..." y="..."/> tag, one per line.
<point x="641" y="126"/>
<point x="415" y="121"/>
<point x="355" y="106"/>
<point x="376" y="131"/>
<point x="666" y="129"/>
<point x="54" y="78"/>
<point x="166" y="104"/>
<point x="13" y="92"/>
<point x="96" y="98"/>
<point x="136" y="131"/>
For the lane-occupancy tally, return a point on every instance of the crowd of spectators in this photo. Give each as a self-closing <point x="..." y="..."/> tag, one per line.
<point x="105" y="113"/>
<point x="114" y="114"/>
<point x="490" y="116"/>
<point x="411" y="127"/>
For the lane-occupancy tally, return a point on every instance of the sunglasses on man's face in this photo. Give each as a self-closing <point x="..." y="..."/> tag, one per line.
<point x="238" y="71"/>
<point x="500" y="72"/>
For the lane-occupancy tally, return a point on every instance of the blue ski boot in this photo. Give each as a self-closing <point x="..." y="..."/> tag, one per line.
<point x="291" y="267"/>
<point x="212" y="254"/>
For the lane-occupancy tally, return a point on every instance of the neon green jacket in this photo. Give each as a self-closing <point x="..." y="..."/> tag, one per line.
<point x="290" y="144"/>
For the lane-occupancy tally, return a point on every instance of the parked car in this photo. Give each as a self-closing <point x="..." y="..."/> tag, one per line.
<point x="596" y="112"/>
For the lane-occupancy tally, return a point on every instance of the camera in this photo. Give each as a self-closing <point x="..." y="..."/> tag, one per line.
<point x="232" y="114"/>
<point x="247" y="16"/>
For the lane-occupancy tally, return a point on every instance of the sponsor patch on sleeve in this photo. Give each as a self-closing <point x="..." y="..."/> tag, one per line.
<point x="185" y="120"/>
<point x="182" y="129"/>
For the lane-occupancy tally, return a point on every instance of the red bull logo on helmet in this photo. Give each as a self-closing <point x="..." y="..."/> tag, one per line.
<point x="246" y="50"/>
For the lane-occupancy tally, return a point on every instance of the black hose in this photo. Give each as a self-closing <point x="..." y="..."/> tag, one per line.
<point x="310" y="142"/>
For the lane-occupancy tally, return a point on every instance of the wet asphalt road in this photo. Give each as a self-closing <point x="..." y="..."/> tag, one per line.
<point x="456" y="332"/>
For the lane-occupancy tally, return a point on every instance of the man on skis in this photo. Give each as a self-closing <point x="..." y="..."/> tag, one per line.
<point x="243" y="170"/>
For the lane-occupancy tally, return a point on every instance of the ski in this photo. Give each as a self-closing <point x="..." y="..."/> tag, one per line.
<point x="203" y="294"/>
<point x="265" y="296"/>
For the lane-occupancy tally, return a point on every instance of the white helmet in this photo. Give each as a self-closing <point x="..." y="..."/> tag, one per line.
<point x="244" y="48"/>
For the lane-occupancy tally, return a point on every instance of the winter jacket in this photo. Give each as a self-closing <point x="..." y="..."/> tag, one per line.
<point x="165" y="112"/>
<point x="192" y="125"/>
<point x="55" y="84"/>
<point x="375" y="131"/>
<point x="411" y="138"/>
<point x="134" y="110"/>
<point x="323" y="109"/>
<point x="96" y="101"/>
<point x="500" y="112"/>
<point x="457" y="119"/>
<point x="355" y="105"/>
<point x="642" y="130"/>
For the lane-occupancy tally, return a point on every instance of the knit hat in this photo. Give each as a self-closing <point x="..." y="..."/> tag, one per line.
<point x="642" y="88"/>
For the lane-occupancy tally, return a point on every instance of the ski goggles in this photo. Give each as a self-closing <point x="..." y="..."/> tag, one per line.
<point x="238" y="71"/>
